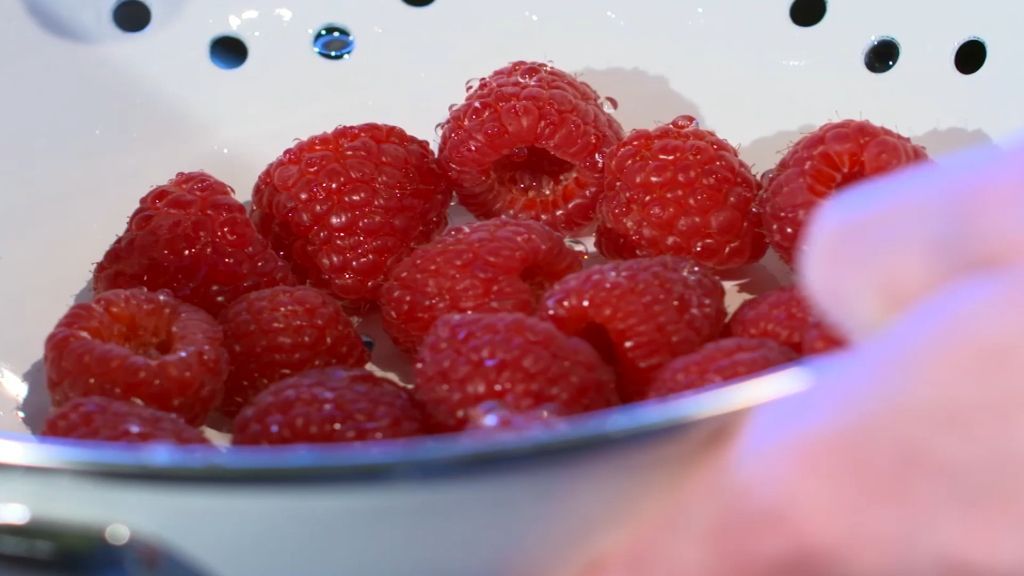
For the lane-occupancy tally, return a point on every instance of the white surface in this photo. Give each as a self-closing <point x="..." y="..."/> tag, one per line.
<point x="94" y="117"/>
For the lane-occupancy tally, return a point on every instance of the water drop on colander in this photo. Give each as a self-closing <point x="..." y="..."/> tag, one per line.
<point x="333" y="43"/>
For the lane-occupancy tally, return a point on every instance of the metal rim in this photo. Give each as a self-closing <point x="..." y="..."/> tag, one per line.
<point x="415" y="456"/>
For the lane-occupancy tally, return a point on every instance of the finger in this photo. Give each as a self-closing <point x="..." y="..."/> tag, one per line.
<point x="922" y="420"/>
<point x="836" y="479"/>
<point x="881" y="245"/>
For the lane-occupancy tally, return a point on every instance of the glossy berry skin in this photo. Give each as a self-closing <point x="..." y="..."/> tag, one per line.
<point x="192" y="237"/>
<point x="495" y="416"/>
<point x="139" y="346"/>
<point x="820" y="163"/>
<point x="105" y="419"/>
<point x="819" y="338"/>
<point x="328" y="405"/>
<point x="679" y="189"/>
<point x="529" y="142"/>
<point x="345" y="206"/>
<point x="521" y="363"/>
<point x="785" y="316"/>
<point x="274" y="333"/>
<point x="717" y="362"/>
<point x="499" y="265"/>
<point x="781" y="315"/>
<point x="639" y="314"/>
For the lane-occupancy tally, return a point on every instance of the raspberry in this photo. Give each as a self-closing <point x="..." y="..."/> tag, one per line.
<point x="833" y="156"/>
<point x="328" y="405"/>
<point x="192" y="237"/>
<point x="781" y="315"/>
<point x="274" y="333"/>
<point x="140" y="346"/>
<point x="785" y="316"/>
<point x="819" y="338"/>
<point x="345" y="206"/>
<point x="521" y="363"/>
<point x="718" y="361"/>
<point x="96" y="418"/>
<point x="681" y="190"/>
<point x="495" y="416"/>
<point x="499" y="265"/>
<point x="529" y="142"/>
<point x="639" y="313"/>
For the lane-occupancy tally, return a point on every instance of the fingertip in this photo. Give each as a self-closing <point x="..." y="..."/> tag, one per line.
<point x="884" y="243"/>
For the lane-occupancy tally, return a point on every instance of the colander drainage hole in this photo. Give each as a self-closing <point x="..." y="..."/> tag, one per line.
<point x="418" y="3"/>
<point x="970" y="56"/>
<point x="882" y="55"/>
<point x="228" y="52"/>
<point x="807" y="13"/>
<point x="132" y="16"/>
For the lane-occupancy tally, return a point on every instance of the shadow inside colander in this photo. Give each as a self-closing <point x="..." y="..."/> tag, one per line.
<point x="644" y="99"/>
<point x="764" y="153"/>
<point x="89" y="21"/>
<point x="36" y="405"/>
<point x="944" y="140"/>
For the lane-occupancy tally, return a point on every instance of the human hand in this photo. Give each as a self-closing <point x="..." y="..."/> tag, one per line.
<point x="907" y="457"/>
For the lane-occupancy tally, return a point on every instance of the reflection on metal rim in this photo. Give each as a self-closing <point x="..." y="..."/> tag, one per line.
<point x="399" y="457"/>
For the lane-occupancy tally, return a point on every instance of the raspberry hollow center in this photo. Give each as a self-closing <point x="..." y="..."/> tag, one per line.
<point x="532" y="171"/>
<point x="151" y="338"/>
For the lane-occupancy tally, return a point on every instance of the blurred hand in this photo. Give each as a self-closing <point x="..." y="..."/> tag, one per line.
<point x="907" y="457"/>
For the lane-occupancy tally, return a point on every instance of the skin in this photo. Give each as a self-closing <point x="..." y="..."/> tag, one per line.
<point x="907" y="457"/>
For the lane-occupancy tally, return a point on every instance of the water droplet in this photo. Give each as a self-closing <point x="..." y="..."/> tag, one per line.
<point x="577" y="246"/>
<point x="333" y="43"/>
<point x="439" y="128"/>
<point x="472" y="84"/>
<point x="609" y="104"/>
<point x="452" y="107"/>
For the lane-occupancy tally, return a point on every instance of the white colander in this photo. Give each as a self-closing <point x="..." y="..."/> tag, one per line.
<point x="102" y="99"/>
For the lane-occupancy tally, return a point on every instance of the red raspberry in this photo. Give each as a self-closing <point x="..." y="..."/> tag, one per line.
<point x="529" y="142"/>
<point x="496" y="416"/>
<point x="345" y="206"/>
<point x="96" y="418"/>
<point x="520" y="362"/>
<point x="682" y="190"/>
<point x="781" y="315"/>
<point x="328" y="405"/>
<point x="274" y="333"/>
<point x="499" y="265"/>
<point x="719" y="361"/>
<point x="833" y="156"/>
<point x="192" y="237"/>
<point x="819" y="338"/>
<point x="141" y="346"/>
<point x="639" y="313"/>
